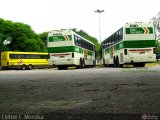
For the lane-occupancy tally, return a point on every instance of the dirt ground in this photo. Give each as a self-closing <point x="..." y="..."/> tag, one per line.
<point x="75" y="94"/>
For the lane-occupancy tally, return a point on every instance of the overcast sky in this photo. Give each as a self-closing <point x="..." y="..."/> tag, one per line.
<point x="46" y="15"/>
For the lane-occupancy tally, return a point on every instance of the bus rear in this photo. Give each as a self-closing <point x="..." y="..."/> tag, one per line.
<point x="139" y="44"/>
<point x="61" y="48"/>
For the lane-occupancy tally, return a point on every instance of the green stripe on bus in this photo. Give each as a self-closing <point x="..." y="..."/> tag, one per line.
<point x="118" y="46"/>
<point x="139" y="44"/>
<point x="68" y="49"/>
<point x="132" y="44"/>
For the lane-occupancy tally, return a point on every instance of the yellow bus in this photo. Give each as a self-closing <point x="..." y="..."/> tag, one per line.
<point x="23" y="60"/>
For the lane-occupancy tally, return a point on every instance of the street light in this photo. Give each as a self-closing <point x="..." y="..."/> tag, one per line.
<point x="99" y="11"/>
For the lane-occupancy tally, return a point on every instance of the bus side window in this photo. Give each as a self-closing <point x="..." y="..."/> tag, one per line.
<point x="79" y="41"/>
<point x="11" y="56"/>
<point x="107" y="43"/>
<point x="86" y="45"/>
<point x="33" y="56"/>
<point x="110" y="40"/>
<point x="120" y="34"/>
<point x="116" y="37"/>
<point x="28" y="56"/>
<point x="113" y="38"/>
<point x="82" y="43"/>
<point x="76" y="40"/>
<point x="18" y="56"/>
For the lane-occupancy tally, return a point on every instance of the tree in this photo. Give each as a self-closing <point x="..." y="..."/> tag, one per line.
<point x="22" y="37"/>
<point x="156" y="23"/>
<point x="158" y="47"/>
<point x="43" y="37"/>
<point x="4" y="35"/>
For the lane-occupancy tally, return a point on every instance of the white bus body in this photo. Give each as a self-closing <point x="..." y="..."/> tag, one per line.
<point x="134" y="43"/>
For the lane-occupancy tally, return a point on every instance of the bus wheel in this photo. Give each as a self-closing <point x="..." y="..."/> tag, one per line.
<point x="117" y="62"/>
<point x="81" y="63"/>
<point x="139" y="64"/>
<point x="62" y="67"/>
<point x="4" y="68"/>
<point x="142" y="64"/>
<point x="94" y="63"/>
<point x="30" y="67"/>
<point x="121" y="65"/>
<point x="23" y="67"/>
<point x="104" y="62"/>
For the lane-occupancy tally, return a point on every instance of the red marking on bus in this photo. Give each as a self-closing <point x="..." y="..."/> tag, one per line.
<point x="139" y="50"/>
<point x="60" y="54"/>
<point x="66" y="37"/>
<point x="20" y="62"/>
<point x="146" y="30"/>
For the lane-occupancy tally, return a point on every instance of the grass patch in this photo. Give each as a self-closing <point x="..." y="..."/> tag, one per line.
<point x="153" y="64"/>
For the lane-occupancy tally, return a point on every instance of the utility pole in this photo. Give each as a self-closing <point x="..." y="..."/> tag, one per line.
<point x="99" y="12"/>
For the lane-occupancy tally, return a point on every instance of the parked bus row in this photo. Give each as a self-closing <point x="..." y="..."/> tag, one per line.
<point x="134" y="43"/>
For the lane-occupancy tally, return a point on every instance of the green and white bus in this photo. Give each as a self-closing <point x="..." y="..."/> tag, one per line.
<point x="66" y="48"/>
<point x="134" y="44"/>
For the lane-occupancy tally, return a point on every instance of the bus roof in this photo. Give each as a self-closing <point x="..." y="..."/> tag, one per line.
<point x="15" y="52"/>
<point x="140" y="24"/>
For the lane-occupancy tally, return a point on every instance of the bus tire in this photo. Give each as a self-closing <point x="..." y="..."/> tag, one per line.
<point x="30" y="67"/>
<point x="23" y="67"/>
<point x="142" y="64"/>
<point x="139" y="64"/>
<point x="81" y="63"/>
<point x="117" y="62"/>
<point x="3" y="68"/>
<point x="94" y="63"/>
<point x="121" y="65"/>
<point x="62" y="67"/>
<point x="104" y="62"/>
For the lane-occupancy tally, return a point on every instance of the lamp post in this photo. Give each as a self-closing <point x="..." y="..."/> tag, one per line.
<point x="99" y="12"/>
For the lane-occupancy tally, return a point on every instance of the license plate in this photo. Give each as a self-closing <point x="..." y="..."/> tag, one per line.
<point x="61" y="56"/>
